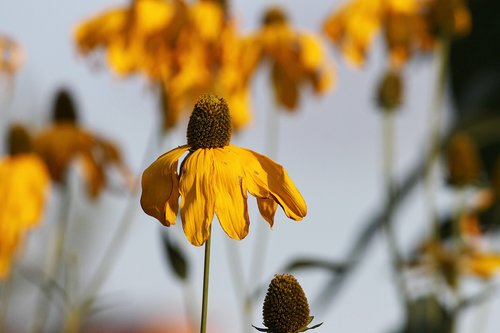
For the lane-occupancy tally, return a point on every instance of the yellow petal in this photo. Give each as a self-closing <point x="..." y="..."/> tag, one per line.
<point x="160" y="187"/>
<point x="312" y="54"/>
<point x="98" y="31"/>
<point x="197" y="195"/>
<point x="266" y="179"/>
<point x="286" y="88"/>
<point x="484" y="265"/>
<point x="94" y="175"/>
<point x="152" y="15"/>
<point x="207" y="18"/>
<point x="230" y="196"/>
<point x="267" y="208"/>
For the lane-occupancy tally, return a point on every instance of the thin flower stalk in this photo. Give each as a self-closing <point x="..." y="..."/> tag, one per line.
<point x="435" y="134"/>
<point x="206" y="276"/>
<point x="388" y="172"/>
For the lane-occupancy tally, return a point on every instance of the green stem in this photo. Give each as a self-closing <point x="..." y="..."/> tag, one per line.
<point x="388" y="166"/>
<point x="53" y="264"/>
<point x="436" y="120"/>
<point x="236" y="270"/>
<point x="120" y="234"/>
<point x="262" y="234"/>
<point x="5" y="292"/>
<point x="206" y="274"/>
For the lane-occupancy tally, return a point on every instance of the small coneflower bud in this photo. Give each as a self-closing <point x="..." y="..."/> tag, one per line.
<point x="285" y="307"/>
<point x="274" y="15"/>
<point x="18" y="140"/>
<point x="390" y="91"/>
<point x="462" y="159"/>
<point x="210" y="123"/>
<point x="64" y="109"/>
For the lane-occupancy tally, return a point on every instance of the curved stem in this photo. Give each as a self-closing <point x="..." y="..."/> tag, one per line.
<point x="206" y="274"/>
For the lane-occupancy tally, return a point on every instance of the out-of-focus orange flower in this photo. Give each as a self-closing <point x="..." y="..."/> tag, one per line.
<point x="24" y="182"/>
<point x="65" y="140"/>
<point x="296" y="58"/>
<point x="184" y="48"/>
<point x="408" y="26"/>
<point x="12" y="56"/>
<point x="482" y="264"/>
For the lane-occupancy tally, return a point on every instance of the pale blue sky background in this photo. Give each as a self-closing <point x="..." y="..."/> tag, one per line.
<point x="330" y="147"/>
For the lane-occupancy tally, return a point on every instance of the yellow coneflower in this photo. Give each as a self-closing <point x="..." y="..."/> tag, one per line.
<point x="296" y="58"/>
<point x="184" y="48"/>
<point x="24" y="183"/>
<point x="408" y="26"/>
<point x="65" y="141"/>
<point x="286" y="309"/>
<point x="215" y="178"/>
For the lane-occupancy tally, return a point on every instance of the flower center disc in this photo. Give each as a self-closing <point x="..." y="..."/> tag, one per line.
<point x="210" y="123"/>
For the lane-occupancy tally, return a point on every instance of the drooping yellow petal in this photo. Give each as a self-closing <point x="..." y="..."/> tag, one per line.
<point x="312" y="55"/>
<point x="266" y="179"/>
<point x="207" y="18"/>
<point x="230" y="196"/>
<point x="98" y="31"/>
<point x="267" y="208"/>
<point x="24" y="183"/>
<point x="152" y="15"/>
<point x="160" y="187"/>
<point x="286" y="88"/>
<point x="197" y="195"/>
<point x="353" y="28"/>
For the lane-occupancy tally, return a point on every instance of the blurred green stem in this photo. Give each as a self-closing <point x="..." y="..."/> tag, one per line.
<point x="53" y="262"/>
<point x="153" y="144"/>
<point x="5" y="292"/>
<point x="388" y="171"/>
<point x="236" y="270"/>
<point x="206" y="274"/>
<point x="436" y="123"/>
<point x="262" y="234"/>
<point x="262" y="237"/>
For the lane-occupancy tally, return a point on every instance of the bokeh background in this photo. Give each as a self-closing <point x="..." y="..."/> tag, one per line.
<point x="331" y="148"/>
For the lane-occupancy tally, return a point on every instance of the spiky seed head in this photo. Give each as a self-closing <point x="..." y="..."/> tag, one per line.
<point x="210" y="123"/>
<point x="285" y="307"/>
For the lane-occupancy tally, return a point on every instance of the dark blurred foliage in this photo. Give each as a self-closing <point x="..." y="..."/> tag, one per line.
<point x="174" y="257"/>
<point x="475" y="89"/>
<point x="427" y="314"/>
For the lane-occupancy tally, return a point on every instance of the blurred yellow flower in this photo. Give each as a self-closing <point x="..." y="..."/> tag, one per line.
<point x="65" y="141"/>
<point x="483" y="265"/>
<point x="408" y="26"/>
<point x="24" y="183"/>
<point x="215" y="178"/>
<point x="186" y="49"/>
<point x="296" y="58"/>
